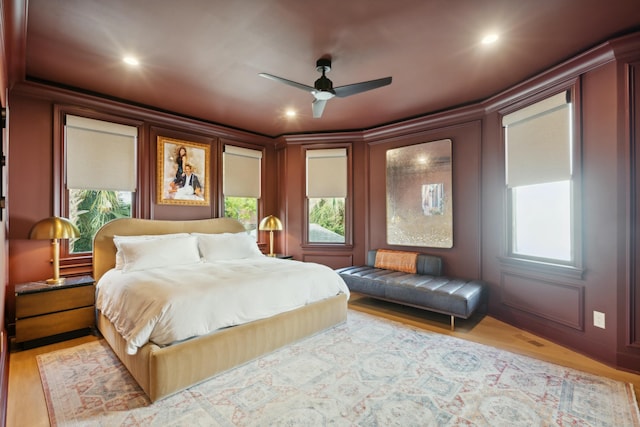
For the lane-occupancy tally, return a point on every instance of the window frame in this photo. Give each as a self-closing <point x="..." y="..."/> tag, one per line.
<point x="348" y="201"/>
<point x="573" y="268"/>
<point x="60" y="191"/>
<point x="260" y="200"/>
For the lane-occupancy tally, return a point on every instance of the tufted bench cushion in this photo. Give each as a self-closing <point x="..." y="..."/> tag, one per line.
<point x="426" y="289"/>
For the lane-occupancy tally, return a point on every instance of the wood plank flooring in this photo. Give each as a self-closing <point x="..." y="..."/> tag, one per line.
<point x="27" y="407"/>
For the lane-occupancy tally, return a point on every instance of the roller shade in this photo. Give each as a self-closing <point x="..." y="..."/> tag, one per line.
<point x="241" y="172"/>
<point x="327" y="173"/>
<point x="100" y="155"/>
<point x="538" y="142"/>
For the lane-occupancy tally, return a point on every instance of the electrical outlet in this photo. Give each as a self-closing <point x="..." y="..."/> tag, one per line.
<point x="598" y="319"/>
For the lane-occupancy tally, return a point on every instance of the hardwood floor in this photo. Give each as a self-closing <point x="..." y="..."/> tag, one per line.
<point x="27" y="407"/>
<point x="25" y="401"/>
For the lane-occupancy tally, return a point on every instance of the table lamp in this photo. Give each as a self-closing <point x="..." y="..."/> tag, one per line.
<point x="54" y="228"/>
<point x="270" y="223"/>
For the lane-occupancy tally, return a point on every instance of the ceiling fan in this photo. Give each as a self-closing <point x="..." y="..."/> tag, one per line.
<point x="323" y="89"/>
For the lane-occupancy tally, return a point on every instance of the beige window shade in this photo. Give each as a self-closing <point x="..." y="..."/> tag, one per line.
<point x="327" y="173"/>
<point x="538" y="143"/>
<point x="241" y="172"/>
<point x="100" y="155"/>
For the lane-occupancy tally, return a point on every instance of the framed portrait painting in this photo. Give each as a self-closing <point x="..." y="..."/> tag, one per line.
<point x="182" y="172"/>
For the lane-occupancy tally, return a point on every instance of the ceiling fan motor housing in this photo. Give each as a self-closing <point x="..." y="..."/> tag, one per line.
<point x="323" y="84"/>
<point x="323" y="65"/>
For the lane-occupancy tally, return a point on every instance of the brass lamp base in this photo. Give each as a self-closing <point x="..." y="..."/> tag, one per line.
<point x="58" y="281"/>
<point x="271" y="244"/>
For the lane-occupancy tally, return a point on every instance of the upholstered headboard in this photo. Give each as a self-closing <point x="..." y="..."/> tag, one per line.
<point x="104" y="251"/>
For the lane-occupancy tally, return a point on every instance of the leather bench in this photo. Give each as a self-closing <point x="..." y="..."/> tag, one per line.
<point x="426" y="289"/>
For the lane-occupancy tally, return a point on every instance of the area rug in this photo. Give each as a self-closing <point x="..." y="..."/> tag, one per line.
<point x="366" y="372"/>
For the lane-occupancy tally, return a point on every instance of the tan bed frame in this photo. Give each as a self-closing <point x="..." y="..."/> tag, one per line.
<point x="162" y="371"/>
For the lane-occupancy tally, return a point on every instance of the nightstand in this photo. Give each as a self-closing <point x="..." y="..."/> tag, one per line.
<point x="43" y="310"/>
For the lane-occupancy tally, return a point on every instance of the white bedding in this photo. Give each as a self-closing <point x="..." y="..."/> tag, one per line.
<point x="168" y="304"/>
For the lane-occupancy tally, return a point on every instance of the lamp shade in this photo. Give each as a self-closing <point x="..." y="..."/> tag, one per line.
<point x="270" y="223"/>
<point x="54" y="228"/>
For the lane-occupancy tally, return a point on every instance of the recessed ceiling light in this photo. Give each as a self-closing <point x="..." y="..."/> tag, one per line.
<point x="131" y="60"/>
<point x="490" y="38"/>
<point x="290" y="113"/>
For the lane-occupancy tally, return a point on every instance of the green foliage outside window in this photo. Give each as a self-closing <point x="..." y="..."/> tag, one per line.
<point x="91" y="209"/>
<point x="244" y="209"/>
<point x="329" y="214"/>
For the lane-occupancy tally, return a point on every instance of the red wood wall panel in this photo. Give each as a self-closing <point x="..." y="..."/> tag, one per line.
<point x="560" y="303"/>
<point x="479" y="199"/>
<point x="463" y="260"/>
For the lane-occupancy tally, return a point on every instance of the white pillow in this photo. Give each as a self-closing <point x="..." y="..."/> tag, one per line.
<point x="224" y="246"/>
<point x="154" y="253"/>
<point x="118" y="239"/>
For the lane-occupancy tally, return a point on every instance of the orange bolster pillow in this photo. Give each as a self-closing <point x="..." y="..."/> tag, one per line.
<point x="396" y="260"/>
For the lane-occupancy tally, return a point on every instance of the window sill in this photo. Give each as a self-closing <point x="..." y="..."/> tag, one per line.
<point x="329" y="246"/>
<point x="567" y="271"/>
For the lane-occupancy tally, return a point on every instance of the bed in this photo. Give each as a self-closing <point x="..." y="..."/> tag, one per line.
<point x="162" y="370"/>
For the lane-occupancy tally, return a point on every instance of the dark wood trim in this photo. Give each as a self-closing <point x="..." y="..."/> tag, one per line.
<point x="411" y="127"/>
<point x="320" y="138"/>
<point x="264" y="177"/>
<point x="574" y="269"/>
<point x="4" y="68"/>
<point x="554" y="77"/>
<point x="348" y="203"/>
<point x="626" y="48"/>
<point x="148" y="115"/>
<point x="4" y="375"/>
<point x="15" y="17"/>
<point x="632" y="285"/>
<point x="563" y="302"/>
<point x="60" y="193"/>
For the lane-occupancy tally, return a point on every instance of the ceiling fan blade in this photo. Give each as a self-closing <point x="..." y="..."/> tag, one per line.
<point x="287" y="82"/>
<point x="352" y="89"/>
<point x="318" y="107"/>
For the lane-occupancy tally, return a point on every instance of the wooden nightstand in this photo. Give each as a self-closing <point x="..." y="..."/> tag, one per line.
<point x="43" y="310"/>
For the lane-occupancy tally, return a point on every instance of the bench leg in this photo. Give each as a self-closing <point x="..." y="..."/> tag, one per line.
<point x="452" y="322"/>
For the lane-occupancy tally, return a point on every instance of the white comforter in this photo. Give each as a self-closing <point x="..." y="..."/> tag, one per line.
<point x="169" y="304"/>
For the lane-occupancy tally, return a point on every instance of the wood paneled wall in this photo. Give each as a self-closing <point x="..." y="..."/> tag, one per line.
<point x="631" y="297"/>
<point x="556" y="307"/>
<point x="463" y="259"/>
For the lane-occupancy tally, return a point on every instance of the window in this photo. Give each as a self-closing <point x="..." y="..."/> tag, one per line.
<point x="326" y="195"/>
<point x="241" y="185"/>
<point x="91" y="209"/>
<point x="100" y="175"/>
<point x="541" y="184"/>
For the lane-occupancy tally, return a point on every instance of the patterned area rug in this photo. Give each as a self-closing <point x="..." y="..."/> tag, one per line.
<point x="366" y="372"/>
